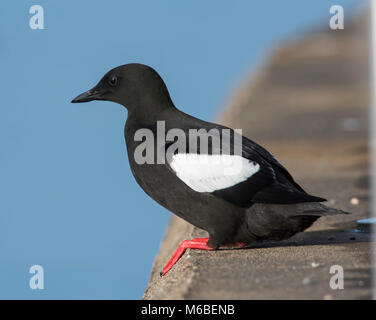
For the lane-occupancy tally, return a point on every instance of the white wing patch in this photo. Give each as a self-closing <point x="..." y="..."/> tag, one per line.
<point x="208" y="173"/>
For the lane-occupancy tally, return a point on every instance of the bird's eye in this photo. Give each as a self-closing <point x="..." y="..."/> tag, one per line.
<point x="113" y="81"/>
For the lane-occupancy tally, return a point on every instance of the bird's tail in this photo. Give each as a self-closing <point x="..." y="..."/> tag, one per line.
<point x="316" y="209"/>
<point x="281" y="221"/>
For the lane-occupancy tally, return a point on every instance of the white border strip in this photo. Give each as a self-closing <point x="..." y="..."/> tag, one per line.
<point x="372" y="63"/>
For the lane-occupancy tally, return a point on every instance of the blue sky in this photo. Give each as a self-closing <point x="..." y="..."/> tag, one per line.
<point x="68" y="199"/>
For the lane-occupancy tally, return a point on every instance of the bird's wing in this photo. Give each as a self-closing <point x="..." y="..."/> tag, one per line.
<point x="253" y="176"/>
<point x="281" y="172"/>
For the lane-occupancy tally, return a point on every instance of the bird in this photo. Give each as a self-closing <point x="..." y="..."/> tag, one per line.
<point x="227" y="185"/>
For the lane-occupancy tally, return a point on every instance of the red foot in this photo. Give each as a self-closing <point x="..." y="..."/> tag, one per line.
<point x="199" y="243"/>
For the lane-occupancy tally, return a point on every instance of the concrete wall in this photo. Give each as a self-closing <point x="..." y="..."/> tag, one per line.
<point x="309" y="106"/>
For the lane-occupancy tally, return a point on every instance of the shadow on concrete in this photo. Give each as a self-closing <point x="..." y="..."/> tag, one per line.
<point x="319" y="237"/>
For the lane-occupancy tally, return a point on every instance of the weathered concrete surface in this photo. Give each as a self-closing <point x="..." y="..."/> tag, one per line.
<point x="309" y="107"/>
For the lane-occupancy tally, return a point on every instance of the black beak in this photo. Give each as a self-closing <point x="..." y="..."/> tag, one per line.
<point x="88" y="96"/>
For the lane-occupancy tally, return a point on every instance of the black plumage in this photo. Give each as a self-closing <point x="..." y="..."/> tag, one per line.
<point x="267" y="205"/>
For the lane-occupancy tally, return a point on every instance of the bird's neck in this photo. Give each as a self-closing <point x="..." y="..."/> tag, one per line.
<point x="148" y="113"/>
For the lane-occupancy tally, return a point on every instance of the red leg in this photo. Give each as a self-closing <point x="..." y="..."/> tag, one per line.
<point x="199" y="243"/>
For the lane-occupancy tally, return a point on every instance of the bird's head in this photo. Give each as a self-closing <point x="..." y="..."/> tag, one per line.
<point x="136" y="86"/>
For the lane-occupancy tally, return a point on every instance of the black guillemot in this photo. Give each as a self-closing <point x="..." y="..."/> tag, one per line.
<point x="237" y="197"/>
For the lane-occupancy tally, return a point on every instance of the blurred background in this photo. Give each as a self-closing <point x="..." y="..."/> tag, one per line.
<point x="68" y="200"/>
